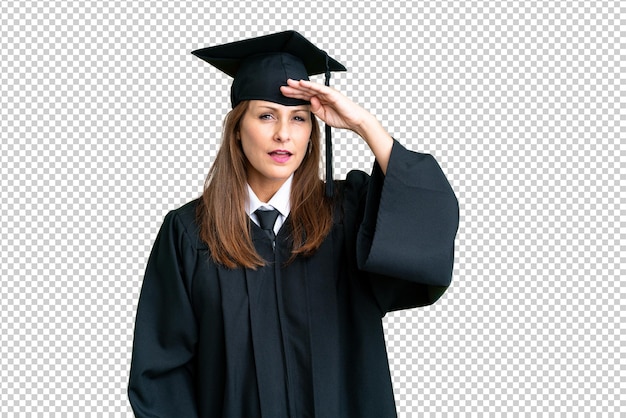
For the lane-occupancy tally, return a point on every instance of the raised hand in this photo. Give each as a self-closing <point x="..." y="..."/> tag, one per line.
<point x="338" y="111"/>
<point x="328" y="104"/>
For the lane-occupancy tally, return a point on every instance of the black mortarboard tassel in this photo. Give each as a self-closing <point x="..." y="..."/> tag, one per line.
<point x="329" y="143"/>
<point x="261" y="65"/>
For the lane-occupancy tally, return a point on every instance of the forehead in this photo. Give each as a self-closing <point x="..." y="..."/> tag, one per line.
<point x="263" y="104"/>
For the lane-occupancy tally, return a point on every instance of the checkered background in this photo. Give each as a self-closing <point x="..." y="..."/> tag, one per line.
<point x="107" y="122"/>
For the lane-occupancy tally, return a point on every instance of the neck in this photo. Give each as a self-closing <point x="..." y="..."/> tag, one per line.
<point x="266" y="190"/>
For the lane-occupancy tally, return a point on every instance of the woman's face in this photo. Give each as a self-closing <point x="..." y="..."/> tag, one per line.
<point x="275" y="140"/>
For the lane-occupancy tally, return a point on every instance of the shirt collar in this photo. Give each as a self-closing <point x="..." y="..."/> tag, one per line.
<point x="280" y="200"/>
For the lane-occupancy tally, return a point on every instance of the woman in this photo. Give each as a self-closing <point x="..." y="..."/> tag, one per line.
<point x="264" y="297"/>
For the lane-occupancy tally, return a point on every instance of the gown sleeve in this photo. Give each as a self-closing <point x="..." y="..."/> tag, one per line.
<point x="405" y="241"/>
<point x="161" y="380"/>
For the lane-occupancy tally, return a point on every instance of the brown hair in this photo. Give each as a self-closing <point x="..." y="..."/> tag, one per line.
<point x="224" y="224"/>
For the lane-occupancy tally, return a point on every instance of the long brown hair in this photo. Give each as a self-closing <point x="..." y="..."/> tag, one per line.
<point x="224" y="224"/>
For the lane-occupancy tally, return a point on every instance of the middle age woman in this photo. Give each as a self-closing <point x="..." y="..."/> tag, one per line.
<point x="264" y="297"/>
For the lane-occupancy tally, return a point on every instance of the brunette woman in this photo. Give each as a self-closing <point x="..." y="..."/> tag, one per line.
<point x="264" y="297"/>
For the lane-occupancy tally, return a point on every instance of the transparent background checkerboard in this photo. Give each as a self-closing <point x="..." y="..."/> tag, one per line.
<point x="107" y="122"/>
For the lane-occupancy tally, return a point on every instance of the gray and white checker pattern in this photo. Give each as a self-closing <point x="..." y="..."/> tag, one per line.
<point x="107" y="122"/>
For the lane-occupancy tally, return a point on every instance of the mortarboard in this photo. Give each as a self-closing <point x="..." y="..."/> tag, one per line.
<point x="261" y="65"/>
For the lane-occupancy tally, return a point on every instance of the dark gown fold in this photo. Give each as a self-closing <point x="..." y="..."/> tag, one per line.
<point x="297" y="340"/>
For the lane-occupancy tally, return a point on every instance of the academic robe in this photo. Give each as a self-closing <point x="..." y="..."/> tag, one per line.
<point x="303" y="339"/>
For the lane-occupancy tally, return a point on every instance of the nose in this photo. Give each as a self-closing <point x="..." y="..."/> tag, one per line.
<point x="282" y="133"/>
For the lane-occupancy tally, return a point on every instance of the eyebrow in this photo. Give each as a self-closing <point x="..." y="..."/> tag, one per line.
<point x="299" y="109"/>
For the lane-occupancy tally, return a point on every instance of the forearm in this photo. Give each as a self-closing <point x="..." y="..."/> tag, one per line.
<point x="377" y="138"/>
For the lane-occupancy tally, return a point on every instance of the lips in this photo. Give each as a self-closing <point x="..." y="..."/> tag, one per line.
<point x="280" y="156"/>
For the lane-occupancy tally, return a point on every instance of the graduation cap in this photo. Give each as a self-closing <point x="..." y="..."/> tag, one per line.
<point x="261" y="65"/>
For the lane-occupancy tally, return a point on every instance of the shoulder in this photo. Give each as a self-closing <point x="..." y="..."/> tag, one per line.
<point x="350" y="194"/>
<point x="354" y="187"/>
<point x="184" y="221"/>
<point x="187" y="212"/>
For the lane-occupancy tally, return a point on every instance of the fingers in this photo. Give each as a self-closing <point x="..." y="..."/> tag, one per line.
<point x="303" y="89"/>
<point x="316" y="106"/>
<point x="306" y="85"/>
<point x="295" y="94"/>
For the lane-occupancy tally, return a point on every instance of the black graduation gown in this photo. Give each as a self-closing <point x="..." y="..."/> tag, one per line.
<point x="302" y="340"/>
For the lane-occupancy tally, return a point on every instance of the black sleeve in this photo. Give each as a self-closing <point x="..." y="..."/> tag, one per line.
<point x="406" y="239"/>
<point x="162" y="373"/>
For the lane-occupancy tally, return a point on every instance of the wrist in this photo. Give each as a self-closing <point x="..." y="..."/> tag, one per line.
<point x="378" y="139"/>
<point x="367" y="126"/>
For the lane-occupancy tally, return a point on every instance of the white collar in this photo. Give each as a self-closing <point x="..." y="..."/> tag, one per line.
<point x="279" y="201"/>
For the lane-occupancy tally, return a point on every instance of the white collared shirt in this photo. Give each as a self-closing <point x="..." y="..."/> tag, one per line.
<point x="280" y="202"/>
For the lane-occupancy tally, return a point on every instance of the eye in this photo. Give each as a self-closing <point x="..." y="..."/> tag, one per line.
<point x="300" y="118"/>
<point x="265" y="116"/>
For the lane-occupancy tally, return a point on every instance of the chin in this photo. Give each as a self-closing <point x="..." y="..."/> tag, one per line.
<point x="280" y="177"/>
<point x="280" y="173"/>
